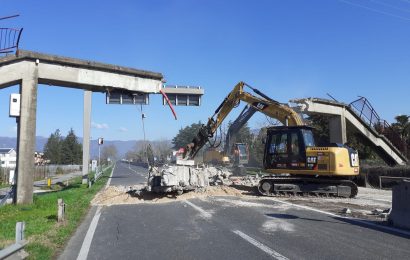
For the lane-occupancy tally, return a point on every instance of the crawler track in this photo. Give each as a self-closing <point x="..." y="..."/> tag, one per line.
<point x="277" y="186"/>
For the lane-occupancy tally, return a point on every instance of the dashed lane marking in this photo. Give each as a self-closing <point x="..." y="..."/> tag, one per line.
<point x="261" y="246"/>
<point x="204" y="213"/>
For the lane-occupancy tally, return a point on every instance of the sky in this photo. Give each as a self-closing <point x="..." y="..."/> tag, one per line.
<point x="287" y="49"/>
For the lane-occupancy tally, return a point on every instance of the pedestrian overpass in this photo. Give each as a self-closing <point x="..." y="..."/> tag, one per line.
<point x="365" y="121"/>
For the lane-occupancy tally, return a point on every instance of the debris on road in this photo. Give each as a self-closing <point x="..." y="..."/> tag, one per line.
<point x="115" y="195"/>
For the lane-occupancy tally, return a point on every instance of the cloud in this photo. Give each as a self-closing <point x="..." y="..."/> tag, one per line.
<point x="99" y="126"/>
<point x="123" y="129"/>
<point x="13" y="129"/>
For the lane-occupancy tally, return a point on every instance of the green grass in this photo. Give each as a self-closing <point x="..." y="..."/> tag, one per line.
<point x="4" y="185"/>
<point x="47" y="237"/>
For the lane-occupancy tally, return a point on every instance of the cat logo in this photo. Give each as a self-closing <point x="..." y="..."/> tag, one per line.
<point x="260" y="105"/>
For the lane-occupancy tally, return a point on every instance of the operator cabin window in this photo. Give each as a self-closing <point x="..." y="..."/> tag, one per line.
<point x="294" y="141"/>
<point x="309" y="140"/>
<point x="279" y="144"/>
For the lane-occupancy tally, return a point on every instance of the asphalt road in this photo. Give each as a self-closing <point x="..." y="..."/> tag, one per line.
<point x="232" y="228"/>
<point x="128" y="175"/>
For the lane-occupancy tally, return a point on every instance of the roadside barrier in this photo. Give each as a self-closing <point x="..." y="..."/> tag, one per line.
<point x="16" y="250"/>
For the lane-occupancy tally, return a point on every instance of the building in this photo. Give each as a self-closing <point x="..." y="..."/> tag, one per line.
<point x="8" y="158"/>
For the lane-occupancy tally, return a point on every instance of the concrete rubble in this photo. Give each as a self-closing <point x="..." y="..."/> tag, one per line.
<point x="182" y="178"/>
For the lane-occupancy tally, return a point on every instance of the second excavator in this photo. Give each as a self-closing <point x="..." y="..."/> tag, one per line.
<point x="295" y="163"/>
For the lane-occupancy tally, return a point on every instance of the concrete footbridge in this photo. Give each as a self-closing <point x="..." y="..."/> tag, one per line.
<point x="364" y="120"/>
<point x="123" y="86"/>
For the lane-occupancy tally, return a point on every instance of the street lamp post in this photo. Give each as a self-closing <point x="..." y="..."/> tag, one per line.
<point x="100" y="142"/>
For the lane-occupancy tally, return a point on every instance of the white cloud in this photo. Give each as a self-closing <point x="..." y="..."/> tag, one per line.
<point x="99" y="126"/>
<point x="123" y="129"/>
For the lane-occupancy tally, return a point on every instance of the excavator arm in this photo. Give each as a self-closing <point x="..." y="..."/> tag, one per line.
<point x="260" y="102"/>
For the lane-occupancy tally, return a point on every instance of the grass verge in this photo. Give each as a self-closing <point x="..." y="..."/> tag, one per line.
<point x="47" y="237"/>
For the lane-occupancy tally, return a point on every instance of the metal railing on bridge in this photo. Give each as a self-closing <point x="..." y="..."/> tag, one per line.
<point x="364" y="109"/>
<point x="9" y="39"/>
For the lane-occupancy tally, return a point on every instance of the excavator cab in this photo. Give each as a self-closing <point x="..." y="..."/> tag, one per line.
<point x="286" y="147"/>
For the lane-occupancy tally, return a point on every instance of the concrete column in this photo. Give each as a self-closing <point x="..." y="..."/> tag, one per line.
<point x="337" y="129"/>
<point x="26" y="138"/>
<point x="86" y="134"/>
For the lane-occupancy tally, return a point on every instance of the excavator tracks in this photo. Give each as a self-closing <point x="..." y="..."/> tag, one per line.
<point x="279" y="186"/>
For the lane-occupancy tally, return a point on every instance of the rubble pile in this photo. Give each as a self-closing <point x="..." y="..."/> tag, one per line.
<point x="181" y="178"/>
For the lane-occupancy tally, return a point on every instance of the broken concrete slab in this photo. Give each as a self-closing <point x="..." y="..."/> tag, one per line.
<point x="181" y="178"/>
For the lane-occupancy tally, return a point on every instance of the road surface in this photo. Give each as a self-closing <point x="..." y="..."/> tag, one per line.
<point x="225" y="228"/>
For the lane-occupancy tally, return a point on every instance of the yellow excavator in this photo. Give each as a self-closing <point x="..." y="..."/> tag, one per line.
<point x="296" y="164"/>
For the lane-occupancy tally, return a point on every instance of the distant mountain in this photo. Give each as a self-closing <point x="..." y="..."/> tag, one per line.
<point x="122" y="146"/>
<point x="11" y="142"/>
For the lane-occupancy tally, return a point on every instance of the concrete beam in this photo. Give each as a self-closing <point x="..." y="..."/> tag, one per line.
<point x="27" y="135"/>
<point x="76" y="73"/>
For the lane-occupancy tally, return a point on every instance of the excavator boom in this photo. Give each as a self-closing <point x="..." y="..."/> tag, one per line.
<point x="260" y="102"/>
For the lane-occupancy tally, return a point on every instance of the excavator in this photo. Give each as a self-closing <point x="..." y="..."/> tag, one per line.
<point x="296" y="166"/>
<point x="233" y="153"/>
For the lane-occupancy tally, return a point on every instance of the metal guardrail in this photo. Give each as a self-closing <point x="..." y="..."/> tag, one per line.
<point x="97" y="175"/>
<point x="16" y="250"/>
<point x="392" y="178"/>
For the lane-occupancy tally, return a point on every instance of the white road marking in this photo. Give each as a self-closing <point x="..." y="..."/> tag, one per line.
<point x="261" y="246"/>
<point x="361" y="221"/>
<point x="109" y="179"/>
<point x="89" y="236"/>
<point x="200" y="210"/>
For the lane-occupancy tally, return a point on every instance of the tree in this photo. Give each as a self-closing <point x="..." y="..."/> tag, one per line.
<point x="186" y="135"/>
<point x="257" y="149"/>
<point x="162" y="149"/>
<point x="71" y="149"/>
<point x="320" y="124"/>
<point x="52" y="149"/>
<point x="109" y="151"/>
<point x="244" y="134"/>
<point x="402" y="126"/>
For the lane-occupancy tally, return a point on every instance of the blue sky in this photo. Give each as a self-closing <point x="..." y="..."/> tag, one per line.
<point x="287" y="49"/>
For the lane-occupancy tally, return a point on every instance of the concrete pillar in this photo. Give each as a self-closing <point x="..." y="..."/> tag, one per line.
<point x="337" y="129"/>
<point x="26" y="138"/>
<point x="86" y="134"/>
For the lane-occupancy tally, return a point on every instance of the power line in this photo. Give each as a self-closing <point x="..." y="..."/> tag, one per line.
<point x="375" y="10"/>
<point x="391" y="6"/>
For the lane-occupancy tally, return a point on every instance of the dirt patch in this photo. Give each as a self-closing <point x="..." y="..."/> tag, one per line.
<point x="116" y="195"/>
